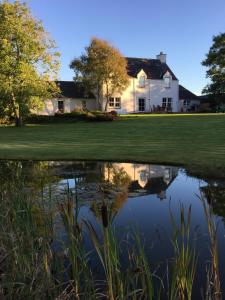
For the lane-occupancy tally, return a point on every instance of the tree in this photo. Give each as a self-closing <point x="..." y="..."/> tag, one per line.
<point x="102" y="69"/>
<point x="215" y="62"/>
<point x="29" y="61"/>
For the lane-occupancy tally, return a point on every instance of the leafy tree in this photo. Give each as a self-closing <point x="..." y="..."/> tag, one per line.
<point x="102" y="69"/>
<point x="29" y="61"/>
<point x="215" y="62"/>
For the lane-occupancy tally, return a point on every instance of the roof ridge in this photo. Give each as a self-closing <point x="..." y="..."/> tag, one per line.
<point x="141" y="58"/>
<point x="64" y="81"/>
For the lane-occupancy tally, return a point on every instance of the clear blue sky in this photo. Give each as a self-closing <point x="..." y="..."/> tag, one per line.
<point x="141" y="28"/>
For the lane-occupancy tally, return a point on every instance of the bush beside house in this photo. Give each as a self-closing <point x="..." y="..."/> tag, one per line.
<point x="95" y="116"/>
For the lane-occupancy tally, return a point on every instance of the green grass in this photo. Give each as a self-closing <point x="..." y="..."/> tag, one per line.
<point x="171" y="139"/>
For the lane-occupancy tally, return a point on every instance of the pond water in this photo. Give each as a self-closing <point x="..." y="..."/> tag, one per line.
<point x="142" y="197"/>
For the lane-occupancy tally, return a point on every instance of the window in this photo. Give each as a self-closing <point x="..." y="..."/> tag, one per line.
<point x="141" y="104"/>
<point x="61" y="106"/>
<point x="142" y="81"/>
<point x="115" y="102"/>
<point x="164" y="102"/>
<point x="111" y="102"/>
<point x="167" y="81"/>
<point x="167" y="103"/>
<point x="167" y="173"/>
<point x="84" y="105"/>
<point x="143" y="176"/>
<point x="186" y="102"/>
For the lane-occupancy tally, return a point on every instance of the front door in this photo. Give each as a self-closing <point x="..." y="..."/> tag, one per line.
<point x="141" y="104"/>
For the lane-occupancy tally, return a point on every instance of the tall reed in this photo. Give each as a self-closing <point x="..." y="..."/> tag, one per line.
<point x="184" y="262"/>
<point x="213" y="290"/>
<point x="80" y="276"/>
<point x="108" y="254"/>
<point x="25" y="245"/>
<point x="134" y="281"/>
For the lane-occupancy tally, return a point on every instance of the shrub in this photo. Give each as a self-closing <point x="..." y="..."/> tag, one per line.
<point x="70" y="117"/>
<point x="103" y="116"/>
<point x="5" y="121"/>
<point x="43" y="119"/>
<point x="114" y="113"/>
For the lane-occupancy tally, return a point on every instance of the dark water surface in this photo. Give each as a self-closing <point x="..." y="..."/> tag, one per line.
<point x="141" y="196"/>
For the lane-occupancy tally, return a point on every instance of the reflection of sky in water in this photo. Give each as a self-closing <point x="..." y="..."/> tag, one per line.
<point x="70" y="183"/>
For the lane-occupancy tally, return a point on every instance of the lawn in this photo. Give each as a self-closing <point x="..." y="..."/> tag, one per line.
<point x="197" y="140"/>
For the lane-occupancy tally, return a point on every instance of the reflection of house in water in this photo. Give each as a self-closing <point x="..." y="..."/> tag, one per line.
<point x="145" y="179"/>
<point x="132" y="178"/>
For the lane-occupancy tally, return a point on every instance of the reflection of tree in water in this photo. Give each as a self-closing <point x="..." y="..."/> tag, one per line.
<point x="113" y="191"/>
<point x="26" y="174"/>
<point x="214" y="192"/>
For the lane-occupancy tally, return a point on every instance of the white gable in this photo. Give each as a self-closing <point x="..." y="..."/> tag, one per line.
<point x="141" y="73"/>
<point x="167" y="74"/>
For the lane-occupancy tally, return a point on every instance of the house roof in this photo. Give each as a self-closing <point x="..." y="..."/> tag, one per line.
<point x="71" y="89"/>
<point x="186" y="94"/>
<point x="153" y="68"/>
<point x="204" y="98"/>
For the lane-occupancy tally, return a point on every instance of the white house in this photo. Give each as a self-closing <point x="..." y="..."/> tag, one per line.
<point x="153" y="87"/>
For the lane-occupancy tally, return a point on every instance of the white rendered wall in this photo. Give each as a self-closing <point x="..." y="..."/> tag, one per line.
<point x="185" y="108"/>
<point x="51" y="105"/>
<point x="158" y="91"/>
<point x="153" y="93"/>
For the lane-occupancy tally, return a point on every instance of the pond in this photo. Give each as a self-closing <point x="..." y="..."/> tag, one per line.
<point x="150" y="201"/>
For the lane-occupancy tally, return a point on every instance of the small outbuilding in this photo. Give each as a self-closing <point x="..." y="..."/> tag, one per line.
<point x="73" y="96"/>
<point x="189" y="102"/>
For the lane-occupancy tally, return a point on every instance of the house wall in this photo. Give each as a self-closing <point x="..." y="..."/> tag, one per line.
<point x="77" y="104"/>
<point x="158" y="91"/>
<point x="141" y="172"/>
<point x="186" y="108"/>
<point x="153" y="93"/>
<point x="51" y="105"/>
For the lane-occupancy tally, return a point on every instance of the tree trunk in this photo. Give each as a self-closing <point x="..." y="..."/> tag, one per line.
<point x="17" y="113"/>
<point x="106" y="104"/>
<point x="19" y="121"/>
<point x="100" y="100"/>
<point x="107" y="97"/>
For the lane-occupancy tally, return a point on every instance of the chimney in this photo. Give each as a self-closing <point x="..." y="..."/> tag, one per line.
<point x="162" y="57"/>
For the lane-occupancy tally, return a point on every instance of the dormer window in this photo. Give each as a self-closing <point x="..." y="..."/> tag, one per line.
<point x="142" y="81"/>
<point x="167" y="81"/>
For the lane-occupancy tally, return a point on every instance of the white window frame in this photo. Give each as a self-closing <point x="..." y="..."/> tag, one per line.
<point x="143" y="105"/>
<point x="167" y="80"/>
<point x="186" y="103"/>
<point x="167" y="103"/>
<point x="142" y="81"/>
<point x="115" y="102"/>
